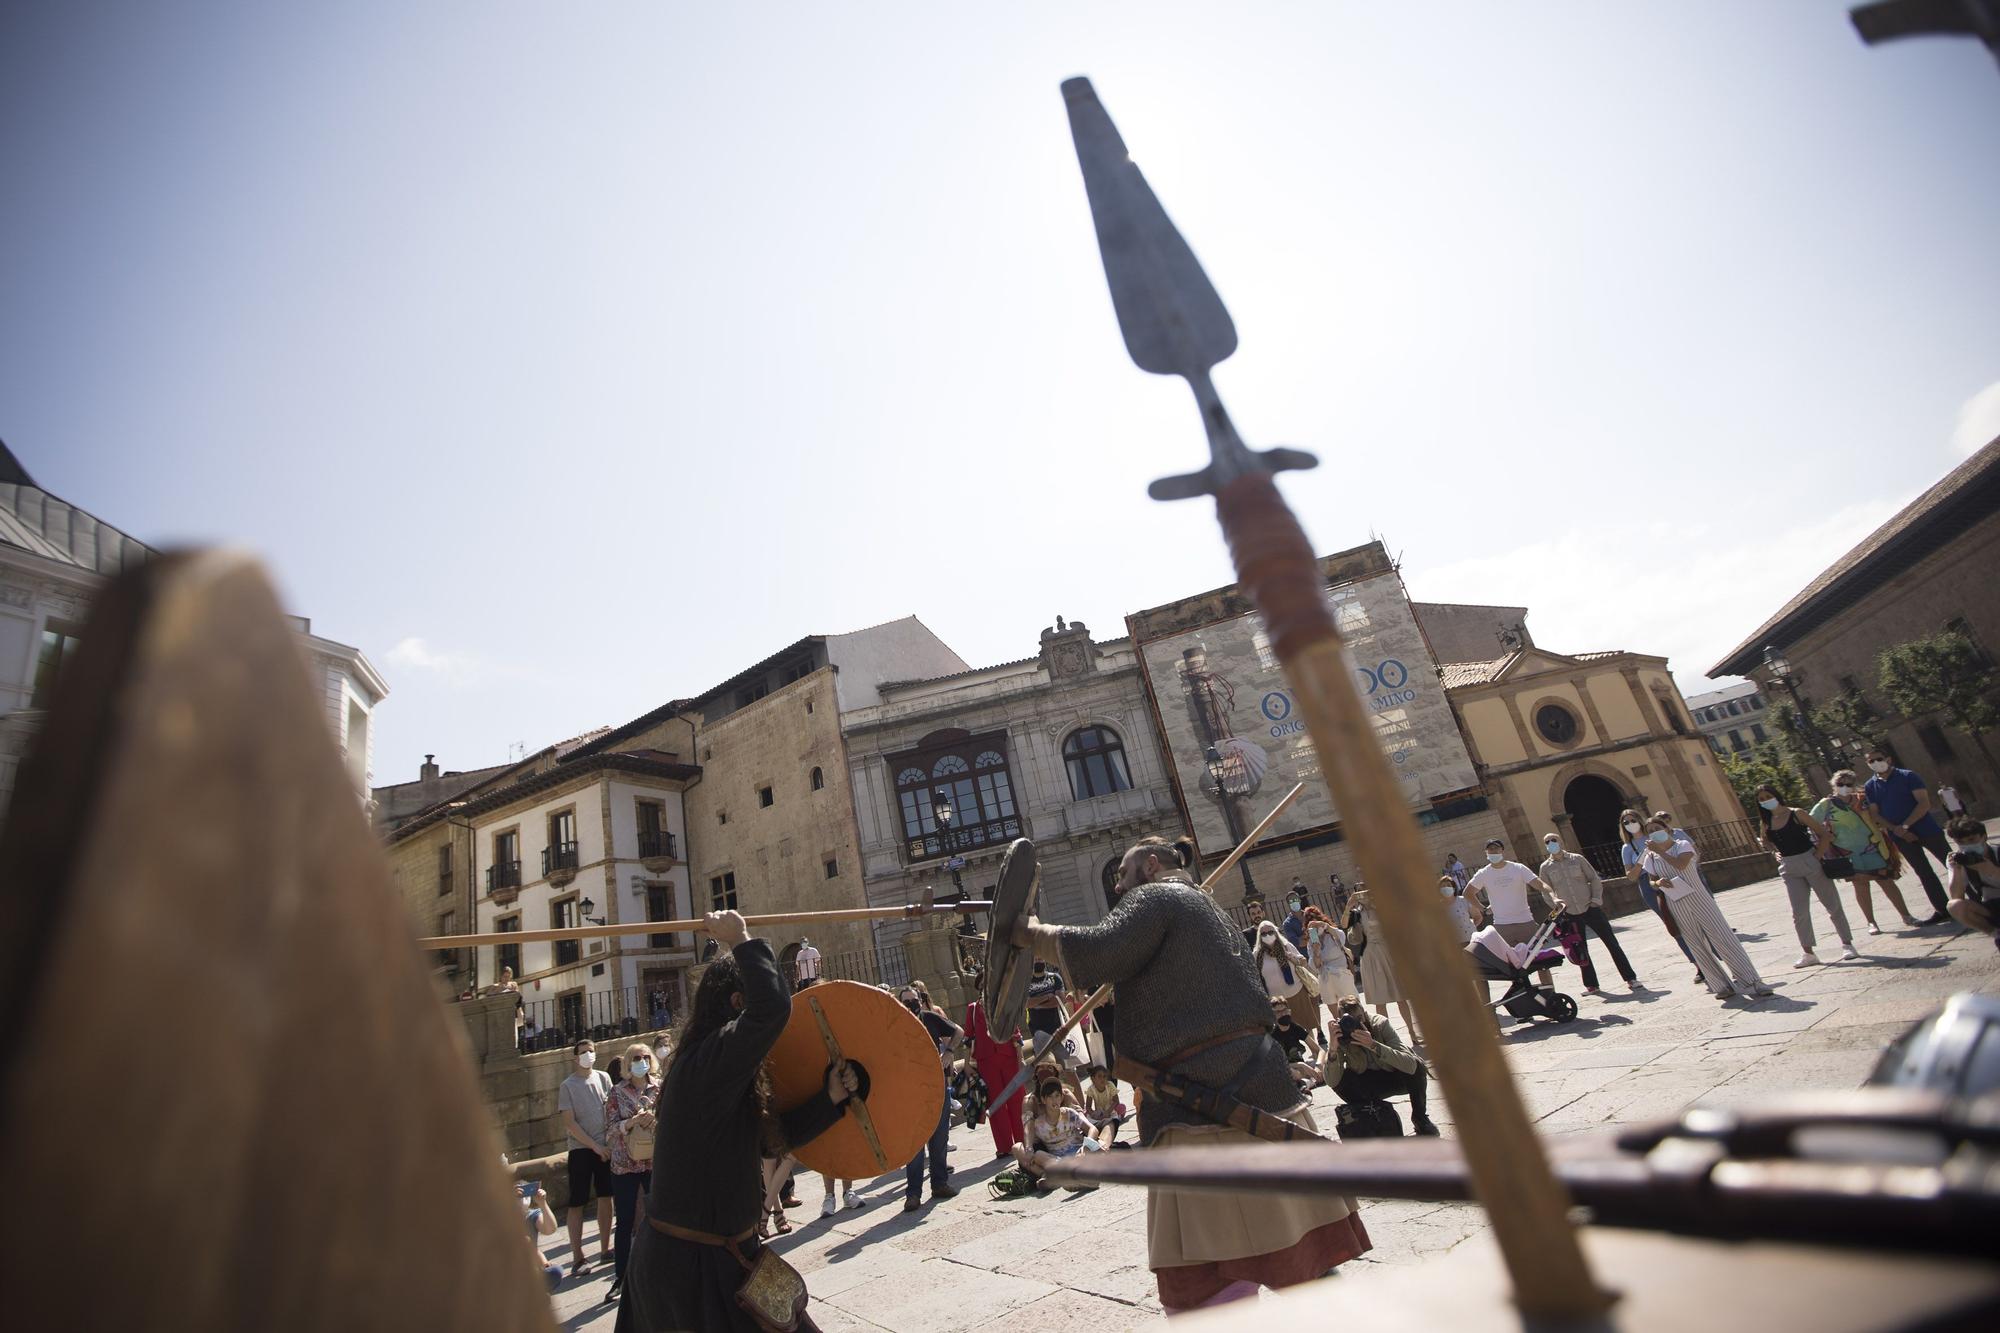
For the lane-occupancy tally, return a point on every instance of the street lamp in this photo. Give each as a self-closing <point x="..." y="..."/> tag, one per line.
<point x="1218" y="771"/>
<point x="942" y="812"/>
<point x="1780" y="670"/>
<point x="585" y="908"/>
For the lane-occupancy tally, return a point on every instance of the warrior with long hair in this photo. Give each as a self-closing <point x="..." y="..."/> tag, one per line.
<point x="716" y="1126"/>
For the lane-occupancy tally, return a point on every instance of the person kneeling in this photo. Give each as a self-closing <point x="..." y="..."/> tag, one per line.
<point x="1369" y="1063"/>
<point x="1056" y="1130"/>
<point x="1974" y="892"/>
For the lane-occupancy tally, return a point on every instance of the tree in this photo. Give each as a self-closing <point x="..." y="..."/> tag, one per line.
<point x="1945" y="673"/>
<point x="1765" y="765"/>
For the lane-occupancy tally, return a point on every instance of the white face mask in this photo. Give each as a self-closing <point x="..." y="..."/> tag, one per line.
<point x="1879" y="765"/>
<point x="1495" y="858"/>
<point x="1552" y="846"/>
<point x="1631" y="828"/>
<point x="1447" y="891"/>
<point x="587" y="1059"/>
<point x="1843" y="791"/>
<point x="1768" y="803"/>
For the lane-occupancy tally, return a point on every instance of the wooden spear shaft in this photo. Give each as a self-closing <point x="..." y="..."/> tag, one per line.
<point x="672" y="927"/>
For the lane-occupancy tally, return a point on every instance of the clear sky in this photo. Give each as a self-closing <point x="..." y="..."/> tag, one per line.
<point x="570" y="358"/>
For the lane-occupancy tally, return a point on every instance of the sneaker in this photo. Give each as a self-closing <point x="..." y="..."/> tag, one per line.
<point x="1761" y="992"/>
<point x="1699" y="980"/>
<point x="1847" y="954"/>
<point x="853" y="1200"/>
<point x="827" y="1209"/>
<point x="1807" y="960"/>
<point x="1421" y="1126"/>
<point x="1725" y="995"/>
<point x="1874" y="929"/>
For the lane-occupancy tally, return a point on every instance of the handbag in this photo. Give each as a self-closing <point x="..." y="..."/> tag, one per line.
<point x="1367" y="1120"/>
<point x="1837" y="867"/>
<point x="1306" y="979"/>
<point x="639" y="1143"/>
<point x="773" y="1294"/>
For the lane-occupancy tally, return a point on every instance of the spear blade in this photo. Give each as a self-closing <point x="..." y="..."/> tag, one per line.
<point x="1173" y="320"/>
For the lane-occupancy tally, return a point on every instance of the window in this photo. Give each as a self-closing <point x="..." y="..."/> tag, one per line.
<point x="765" y="798"/>
<point x="1932" y="739"/>
<point x="444" y="870"/>
<point x="796" y="670"/>
<point x="447" y="925"/>
<point x="969" y="772"/>
<point x="1556" y="723"/>
<point x="654" y="840"/>
<point x="818" y="780"/>
<point x="1095" y="757"/>
<point x="1671" y="713"/>
<point x="569" y="1015"/>
<point x="562" y="915"/>
<point x="1757" y="702"/>
<point x="59" y="648"/>
<point x="1757" y="733"/>
<point x="1960" y="626"/>
<point x="1736" y="741"/>
<point x="809" y="707"/>
<point x="722" y="816"/>
<point x="752" y="693"/>
<point x="832" y="868"/>
<point x="1733" y="708"/>
<point x="505" y="872"/>
<point x="562" y="840"/>
<point x="507" y="955"/>
<point x="722" y="892"/>
<point x="659" y="907"/>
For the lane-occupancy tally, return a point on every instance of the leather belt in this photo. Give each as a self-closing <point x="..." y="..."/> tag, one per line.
<point x="700" y="1237"/>
<point x="1179" y="1057"/>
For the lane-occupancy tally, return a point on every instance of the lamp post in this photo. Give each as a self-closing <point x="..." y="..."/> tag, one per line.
<point x="1780" y="671"/>
<point x="942" y="812"/>
<point x="1219" y="787"/>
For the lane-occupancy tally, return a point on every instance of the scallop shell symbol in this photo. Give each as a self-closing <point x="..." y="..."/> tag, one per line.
<point x="1243" y="766"/>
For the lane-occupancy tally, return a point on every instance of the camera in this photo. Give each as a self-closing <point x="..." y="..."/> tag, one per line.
<point x="1349" y="1024"/>
<point x="1967" y="857"/>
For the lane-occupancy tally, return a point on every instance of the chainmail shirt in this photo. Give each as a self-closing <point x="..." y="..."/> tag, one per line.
<point x="1181" y="976"/>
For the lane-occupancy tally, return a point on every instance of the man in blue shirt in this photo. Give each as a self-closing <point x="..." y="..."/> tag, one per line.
<point x="1900" y="800"/>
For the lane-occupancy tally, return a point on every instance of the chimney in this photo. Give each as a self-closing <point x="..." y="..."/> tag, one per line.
<point x="429" y="769"/>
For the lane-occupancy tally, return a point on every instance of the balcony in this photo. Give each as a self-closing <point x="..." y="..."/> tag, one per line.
<point x="503" y="881"/>
<point x="656" y="849"/>
<point x="559" y="863"/>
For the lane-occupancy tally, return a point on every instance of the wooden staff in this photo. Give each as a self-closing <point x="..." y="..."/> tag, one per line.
<point x="1174" y="323"/>
<point x="1103" y="993"/>
<point x="673" y="927"/>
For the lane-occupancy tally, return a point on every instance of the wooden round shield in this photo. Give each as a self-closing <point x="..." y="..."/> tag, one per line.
<point x="847" y="1020"/>
<point x="1007" y="965"/>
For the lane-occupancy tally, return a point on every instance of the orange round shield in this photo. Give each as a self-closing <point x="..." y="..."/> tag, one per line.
<point x="847" y="1020"/>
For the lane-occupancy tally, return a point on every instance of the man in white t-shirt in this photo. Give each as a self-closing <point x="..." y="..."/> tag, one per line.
<point x="807" y="962"/>
<point x="1503" y="885"/>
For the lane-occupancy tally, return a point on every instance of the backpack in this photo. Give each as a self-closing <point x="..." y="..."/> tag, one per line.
<point x="1010" y="1184"/>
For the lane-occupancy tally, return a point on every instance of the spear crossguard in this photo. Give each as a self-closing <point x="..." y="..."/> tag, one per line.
<point x="1175" y="324"/>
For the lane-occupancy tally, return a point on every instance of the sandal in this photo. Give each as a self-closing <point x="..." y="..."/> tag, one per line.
<point x="763" y="1226"/>
<point x="780" y="1223"/>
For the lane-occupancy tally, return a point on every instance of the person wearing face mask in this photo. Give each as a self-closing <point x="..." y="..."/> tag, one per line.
<point x="1900" y="800"/>
<point x="581" y="1099"/>
<point x="1282" y="968"/>
<point x="1456" y="907"/>
<point x="1326" y="952"/>
<point x="1799" y="841"/>
<point x="1576" y="883"/>
<point x="1632" y="850"/>
<point x="629" y="1107"/>
<point x="1863" y="845"/>
<point x="1975" y="879"/>
<point x="1191" y="1006"/>
<point x="700" y="1239"/>
<point x="1502" y="886"/>
<point x="1671" y="861"/>
<point x="1294" y="925"/>
<point x="947" y="1035"/>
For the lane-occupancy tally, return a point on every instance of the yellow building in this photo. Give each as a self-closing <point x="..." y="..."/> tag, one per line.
<point x="1567" y="742"/>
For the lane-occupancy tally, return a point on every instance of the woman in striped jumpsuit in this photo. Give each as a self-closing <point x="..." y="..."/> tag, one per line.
<point x="1707" y="935"/>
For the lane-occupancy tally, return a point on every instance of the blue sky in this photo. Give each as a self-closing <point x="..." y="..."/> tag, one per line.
<point x="571" y="358"/>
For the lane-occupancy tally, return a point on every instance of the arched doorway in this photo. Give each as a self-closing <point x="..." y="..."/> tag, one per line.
<point x="1593" y="805"/>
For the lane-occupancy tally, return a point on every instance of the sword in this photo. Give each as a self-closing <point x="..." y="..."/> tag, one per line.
<point x="1175" y="324"/>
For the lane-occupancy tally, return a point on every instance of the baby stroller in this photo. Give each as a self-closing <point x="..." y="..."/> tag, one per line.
<point x="1523" y="998"/>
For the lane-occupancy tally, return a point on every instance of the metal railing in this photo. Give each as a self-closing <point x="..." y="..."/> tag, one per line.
<point x="970" y="838"/>
<point x="1719" y="841"/>
<point x="600" y="1015"/>
<point x="503" y="875"/>
<point x="562" y="856"/>
<point x="656" y="843"/>
<point x="876" y="967"/>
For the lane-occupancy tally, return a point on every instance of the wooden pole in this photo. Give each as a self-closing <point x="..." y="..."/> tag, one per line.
<point x="674" y="927"/>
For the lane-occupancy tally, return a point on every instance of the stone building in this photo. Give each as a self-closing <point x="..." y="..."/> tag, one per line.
<point x="1566" y="742"/>
<point x="1733" y="718"/>
<point x="53" y="559"/>
<point x="1207" y="661"/>
<point x="1058" y="747"/>
<point x="1927" y="569"/>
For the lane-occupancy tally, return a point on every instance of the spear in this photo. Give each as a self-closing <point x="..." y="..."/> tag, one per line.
<point x="1175" y="324"/>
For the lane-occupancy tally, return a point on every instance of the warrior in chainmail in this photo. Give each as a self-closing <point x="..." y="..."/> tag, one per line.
<point x="1191" y="1004"/>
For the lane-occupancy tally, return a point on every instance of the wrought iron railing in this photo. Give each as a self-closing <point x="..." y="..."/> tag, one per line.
<point x="958" y="841"/>
<point x="561" y="856"/>
<point x="876" y="967"/>
<point x="601" y="1015"/>
<point x="656" y="843"/>
<point x="1719" y="841"/>
<point x="503" y="875"/>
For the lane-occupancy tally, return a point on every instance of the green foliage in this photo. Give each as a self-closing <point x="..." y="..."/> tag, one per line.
<point x="1944" y="673"/>
<point x="1765" y="765"/>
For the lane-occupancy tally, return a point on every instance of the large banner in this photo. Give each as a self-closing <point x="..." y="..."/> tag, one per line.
<point x="1239" y="744"/>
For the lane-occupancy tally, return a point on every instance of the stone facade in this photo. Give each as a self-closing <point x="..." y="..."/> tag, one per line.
<point x="1927" y="569"/>
<point x="1029" y="709"/>
<point x="1735" y="718"/>
<point x="1566" y="742"/>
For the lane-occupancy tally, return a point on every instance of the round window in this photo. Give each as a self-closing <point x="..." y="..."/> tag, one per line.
<point x="1556" y="723"/>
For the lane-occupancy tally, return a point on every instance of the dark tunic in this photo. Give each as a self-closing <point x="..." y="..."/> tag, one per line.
<point x="707" y="1164"/>
<point x="1181" y="976"/>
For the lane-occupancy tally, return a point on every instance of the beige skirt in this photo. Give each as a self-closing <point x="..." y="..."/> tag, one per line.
<point x="1198" y="1227"/>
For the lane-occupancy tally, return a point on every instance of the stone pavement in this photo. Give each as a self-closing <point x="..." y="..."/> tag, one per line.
<point x="1079" y="1259"/>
